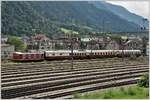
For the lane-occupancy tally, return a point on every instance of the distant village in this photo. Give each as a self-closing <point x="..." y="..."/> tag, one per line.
<point x="40" y="42"/>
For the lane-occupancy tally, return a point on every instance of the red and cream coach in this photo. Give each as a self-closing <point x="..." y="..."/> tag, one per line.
<point x="66" y="54"/>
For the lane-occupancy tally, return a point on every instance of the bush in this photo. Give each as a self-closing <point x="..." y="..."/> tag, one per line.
<point x="144" y="81"/>
<point x="122" y="89"/>
<point x="108" y="94"/>
<point x="131" y="91"/>
<point x="143" y="59"/>
<point x="17" y="42"/>
<point x="133" y="57"/>
<point x="76" y="95"/>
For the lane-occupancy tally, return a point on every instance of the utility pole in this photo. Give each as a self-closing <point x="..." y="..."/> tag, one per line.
<point x="72" y="48"/>
<point x="122" y="52"/>
<point x="103" y="25"/>
<point x="91" y="43"/>
<point x="122" y="48"/>
<point x="90" y="35"/>
<point x="123" y="45"/>
<point x="71" y="53"/>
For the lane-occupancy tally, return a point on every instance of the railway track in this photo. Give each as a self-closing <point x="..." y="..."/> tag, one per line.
<point x="9" y="78"/>
<point x="23" y="68"/>
<point x="67" y="75"/>
<point x="57" y="67"/>
<point x="47" y="69"/>
<point x="59" y="61"/>
<point x="55" y="63"/>
<point x="46" y="84"/>
<point x="48" y="66"/>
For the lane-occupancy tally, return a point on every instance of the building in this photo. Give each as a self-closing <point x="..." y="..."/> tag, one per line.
<point x="25" y="39"/>
<point x="147" y="49"/>
<point x="4" y="40"/>
<point x="39" y="42"/>
<point x="133" y="45"/>
<point x="92" y="43"/>
<point x="7" y="51"/>
<point x="112" y="45"/>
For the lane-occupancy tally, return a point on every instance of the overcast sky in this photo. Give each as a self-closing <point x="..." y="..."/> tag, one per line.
<point x="139" y="7"/>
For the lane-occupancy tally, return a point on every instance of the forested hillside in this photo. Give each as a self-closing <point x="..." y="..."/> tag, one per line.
<point x="48" y="17"/>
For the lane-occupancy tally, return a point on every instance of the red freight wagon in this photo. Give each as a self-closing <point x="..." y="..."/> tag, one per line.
<point x="18" y="56"/>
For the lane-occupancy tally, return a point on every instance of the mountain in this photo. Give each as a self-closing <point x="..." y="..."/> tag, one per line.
<point x="29" y="17"/>
<point x="122" y="12"/>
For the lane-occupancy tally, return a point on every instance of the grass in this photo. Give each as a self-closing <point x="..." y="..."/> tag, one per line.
<point x="127" y="92"/>
<point x="67" y="31"/>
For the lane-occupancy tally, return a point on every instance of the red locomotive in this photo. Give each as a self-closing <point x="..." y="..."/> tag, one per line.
<point x="18" y="56"/>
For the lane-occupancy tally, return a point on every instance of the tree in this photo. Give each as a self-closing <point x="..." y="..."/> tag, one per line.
<point x="19" y="45"/>
<point x="145" y="40"/>
<point x="115" y="37"/>
<point x="144" y="80"/>
<point x="82" y="46"/>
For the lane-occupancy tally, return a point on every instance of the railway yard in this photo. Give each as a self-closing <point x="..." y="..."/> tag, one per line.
<point x="56" y="79"/>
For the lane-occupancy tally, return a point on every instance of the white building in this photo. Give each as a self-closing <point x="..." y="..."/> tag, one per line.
<point x="6" y="51"/>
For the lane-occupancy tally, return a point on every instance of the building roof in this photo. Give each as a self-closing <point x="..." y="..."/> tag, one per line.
<point x="40" y="37"/>
<point x="6" y="45"/>
<point x="86" y="39"/>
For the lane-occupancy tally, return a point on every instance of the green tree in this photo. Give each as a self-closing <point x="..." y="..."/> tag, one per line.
<point x="19" y="45"/>
<point x="144" y="81"/>
<point x="145" y="40"/>
<point x="115" y="37"/>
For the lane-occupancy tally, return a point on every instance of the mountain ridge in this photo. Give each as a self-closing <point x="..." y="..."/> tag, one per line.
<point x="122" y="12"/>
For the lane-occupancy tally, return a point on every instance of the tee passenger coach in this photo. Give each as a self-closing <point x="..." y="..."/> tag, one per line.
<point x="66" y="54"/>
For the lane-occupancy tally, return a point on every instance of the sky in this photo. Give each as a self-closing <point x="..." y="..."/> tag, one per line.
<point x="138" y="7"/>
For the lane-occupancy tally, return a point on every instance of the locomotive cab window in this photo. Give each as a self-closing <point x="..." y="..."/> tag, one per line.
<point x="60" y="53"/>
<point x="91" y="53"/>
